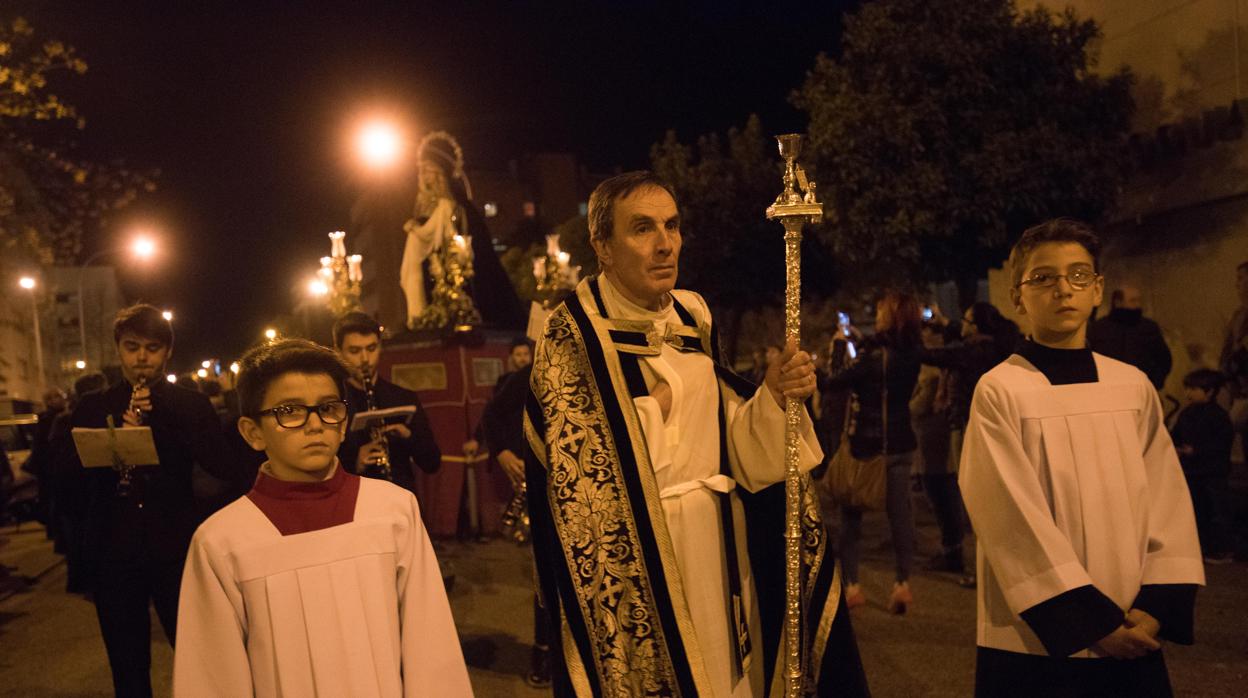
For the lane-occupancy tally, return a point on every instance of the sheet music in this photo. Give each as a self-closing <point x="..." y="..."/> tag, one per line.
<point x="364" y="419"/>
<point x="134" y="445"/>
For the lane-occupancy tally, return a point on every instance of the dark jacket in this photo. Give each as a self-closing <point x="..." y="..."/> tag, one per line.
<point x="1206" y="427"/>
<point x="867" y="379"/>
<point x="502" y="423"/>
<point x="967" y="363"/>
<point x="1234" y="358"/>
<point x="158" y="518"/>
<point x="406" y="455"/>
<point x="1128" y="336"/>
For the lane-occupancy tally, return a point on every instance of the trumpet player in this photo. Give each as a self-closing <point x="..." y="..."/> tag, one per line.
<point x="136" y="538"/>
<point x="395" y="449"/>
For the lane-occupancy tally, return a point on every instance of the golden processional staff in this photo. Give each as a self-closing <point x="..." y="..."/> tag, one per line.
<point x="793" y="210"/>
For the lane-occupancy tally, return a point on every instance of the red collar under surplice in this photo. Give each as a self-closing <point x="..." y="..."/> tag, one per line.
<point x="300" y="507"/>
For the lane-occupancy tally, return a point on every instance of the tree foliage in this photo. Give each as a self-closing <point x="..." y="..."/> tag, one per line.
<point x="947" y="126"/>
<point x="732" y="254"/>
<point x="50" y="200"/>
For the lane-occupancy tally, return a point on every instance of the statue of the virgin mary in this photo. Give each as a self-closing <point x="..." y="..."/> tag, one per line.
<point x="443" y="219"/>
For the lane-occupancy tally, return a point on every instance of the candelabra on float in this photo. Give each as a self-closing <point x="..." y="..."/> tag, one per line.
<point x="342" y="275"/>
<point x="793" y="210"/>
<point x="554" y="273"/>
<point x="451" y="305"/>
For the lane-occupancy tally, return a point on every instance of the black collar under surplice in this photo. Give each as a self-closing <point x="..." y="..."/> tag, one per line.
<point x="606" y="565"/>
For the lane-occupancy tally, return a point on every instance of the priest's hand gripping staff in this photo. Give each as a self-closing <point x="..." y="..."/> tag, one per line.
<point x="793" y="210"/>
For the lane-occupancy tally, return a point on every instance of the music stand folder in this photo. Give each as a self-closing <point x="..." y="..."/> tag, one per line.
<point x="103" y="448"/>
<point x="365" y="419"/>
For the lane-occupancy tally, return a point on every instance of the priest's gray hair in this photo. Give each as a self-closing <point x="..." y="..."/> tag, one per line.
<point x="602" y="201"/>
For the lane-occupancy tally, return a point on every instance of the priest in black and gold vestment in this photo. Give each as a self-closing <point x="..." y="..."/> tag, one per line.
<point x="655" y="480"/>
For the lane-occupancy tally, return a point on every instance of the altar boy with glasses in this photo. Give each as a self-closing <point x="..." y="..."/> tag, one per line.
<point x="317" y="582"/>
<point x="1087" y="548"/>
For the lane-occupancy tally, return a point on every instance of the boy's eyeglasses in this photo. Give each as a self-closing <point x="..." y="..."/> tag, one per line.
<point x="1078" y="279"/>
<point x="295" y="416"/>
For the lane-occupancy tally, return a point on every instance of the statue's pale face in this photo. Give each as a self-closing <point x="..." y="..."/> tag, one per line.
<point x="433" y="179"/>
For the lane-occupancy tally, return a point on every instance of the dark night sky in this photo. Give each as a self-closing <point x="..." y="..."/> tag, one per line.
<point x="246" y="110"/>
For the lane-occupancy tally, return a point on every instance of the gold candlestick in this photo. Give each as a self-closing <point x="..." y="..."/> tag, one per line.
<point x="794" y="211"/>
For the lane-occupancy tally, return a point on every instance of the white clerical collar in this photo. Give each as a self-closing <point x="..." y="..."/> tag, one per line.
<point x="622" y="308"/>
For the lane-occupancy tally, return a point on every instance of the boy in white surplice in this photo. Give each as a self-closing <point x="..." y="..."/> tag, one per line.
<point x="1087" y="551"/>
<point x="317" y="582"/>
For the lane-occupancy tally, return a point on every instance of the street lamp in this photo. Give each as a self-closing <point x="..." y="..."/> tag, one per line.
<point x="28" y="283"/>
<point x="379" y="144"/>
<point x="142" y="247"/>
<point x="270" y="334"/>
<point x="167" y="315"/>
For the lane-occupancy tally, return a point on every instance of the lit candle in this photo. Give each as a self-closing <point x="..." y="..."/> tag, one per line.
<point x="563" y="258"/>
<point x="338" y="247"/>
<point x="552" y="245"/>
<point x="354" y="273"/>
<point x="539" y="269"/>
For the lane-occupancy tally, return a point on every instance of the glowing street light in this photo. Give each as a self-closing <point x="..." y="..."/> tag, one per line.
<point x="172" y="378"/>
<point x="379" y="144"/>
<point x="28" y="283"/>
<point x="141" y="246"/>
<point x="270" y="334"/>
<point x="205" y="363"/>
<point x="234" y="367"/>
<point x="202" y="373"/>
<point x="317" y="288"/>
<point x="80" y="365"/>
<point x="167" y="315"/>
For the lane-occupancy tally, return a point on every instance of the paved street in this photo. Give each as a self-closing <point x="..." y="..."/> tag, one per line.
<point x="52" y="646"/>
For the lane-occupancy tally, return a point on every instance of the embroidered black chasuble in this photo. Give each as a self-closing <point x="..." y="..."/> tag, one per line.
<point x="607" y="570"/>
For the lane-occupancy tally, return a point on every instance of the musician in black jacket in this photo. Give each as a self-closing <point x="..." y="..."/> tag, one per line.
<point x="408" y="442"/>
<point x="136" y="534"/>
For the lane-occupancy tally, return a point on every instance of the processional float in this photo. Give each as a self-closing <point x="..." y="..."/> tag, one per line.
<point x="442" y="349"/>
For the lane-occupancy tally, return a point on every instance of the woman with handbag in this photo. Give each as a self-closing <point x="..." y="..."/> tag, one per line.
<point x="871" y="469"/>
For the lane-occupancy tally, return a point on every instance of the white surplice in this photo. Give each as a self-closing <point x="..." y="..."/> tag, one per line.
<point x="357" y="609"/>
<point x="1071" y="485"/>
<point x="684" y="451"/>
